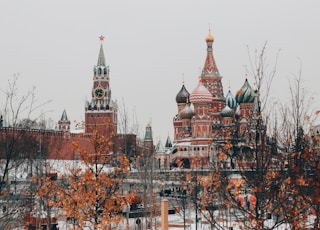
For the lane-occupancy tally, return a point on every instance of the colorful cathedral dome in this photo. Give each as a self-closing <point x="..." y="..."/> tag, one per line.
<point x="183" y="95"/>
<point x="200" y="94"/>
<point x="231" y="100"/>
<point x="187" y="112"/>
<point x="227" y="112"/>
<point x="245" y="94"/>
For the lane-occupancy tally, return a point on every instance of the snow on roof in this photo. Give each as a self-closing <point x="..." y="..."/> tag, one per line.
<point x="76" y="131"/>
<point x="187" y="143"/>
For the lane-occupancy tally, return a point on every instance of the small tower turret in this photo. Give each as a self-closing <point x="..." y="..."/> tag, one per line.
<point x="148" y="140"/>
<point x="64" y="123"/>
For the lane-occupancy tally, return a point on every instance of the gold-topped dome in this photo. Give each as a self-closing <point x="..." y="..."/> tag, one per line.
<point x="209" y="37"/>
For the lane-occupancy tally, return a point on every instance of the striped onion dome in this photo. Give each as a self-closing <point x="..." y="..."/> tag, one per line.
<point x="200" y="94"/>
<point x="245" y="94"/>
<point x="187" y="112"/>
<point x="227" y="112"/>
<point x="231" y="100"/>
<point x="183" y="95"/>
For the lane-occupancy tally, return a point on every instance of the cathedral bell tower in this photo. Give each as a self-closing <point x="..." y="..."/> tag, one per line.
<point x="211" y="79"/>
<point x="101" y="112"/>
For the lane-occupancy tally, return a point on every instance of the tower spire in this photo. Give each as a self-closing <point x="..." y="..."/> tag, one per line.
<point x="210" y="67"/>
<point x="64" y="116"/>
<point x="101" y="58"/>
<point x="101" y="109"/>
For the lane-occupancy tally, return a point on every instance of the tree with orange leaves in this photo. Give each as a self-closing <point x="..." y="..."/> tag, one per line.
<point x="247" y="172"/>
<point x="302" y="159"/>
<point x="90" y="195"/>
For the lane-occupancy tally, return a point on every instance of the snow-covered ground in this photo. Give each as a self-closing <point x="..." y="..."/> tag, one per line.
<point x="176" y="222"/>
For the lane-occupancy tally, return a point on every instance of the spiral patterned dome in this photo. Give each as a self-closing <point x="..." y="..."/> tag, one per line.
<point x="231" y="100"/>
<point x="227" y="112"/>
<point x="245" y="94"/>
<point x="187" y="112"/>
<point x="183" y="95"/>
<point x="200" y="94"/>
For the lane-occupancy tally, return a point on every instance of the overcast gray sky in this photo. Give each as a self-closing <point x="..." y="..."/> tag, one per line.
<point x="149" y="46"/>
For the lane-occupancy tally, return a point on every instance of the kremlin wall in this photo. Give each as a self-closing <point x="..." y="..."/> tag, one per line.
<point x="100" y="115"/>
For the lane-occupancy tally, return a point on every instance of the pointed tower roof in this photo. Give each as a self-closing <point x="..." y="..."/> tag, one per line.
<point x="101" y="58"/>
<point x="210" y="66"/>
<point x="159" y="146"/>
<point x="64" y="116"/>
<point x="168" y="143"/>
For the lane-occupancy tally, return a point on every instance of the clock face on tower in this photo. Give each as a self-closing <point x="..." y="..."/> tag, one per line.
<point x="98" y="93"/>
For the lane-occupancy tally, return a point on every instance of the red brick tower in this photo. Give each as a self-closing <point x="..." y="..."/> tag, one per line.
<point x="100" y="113"/>
<point x="148" y="140"/>
<point x="211" y="79"/>
<point x="64" y="123"/>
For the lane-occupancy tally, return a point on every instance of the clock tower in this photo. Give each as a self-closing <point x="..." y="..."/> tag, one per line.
<point x="101" y="112"/>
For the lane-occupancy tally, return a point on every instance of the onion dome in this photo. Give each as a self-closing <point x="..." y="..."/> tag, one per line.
<point x="183" y="95"/>
<point x="231" y="100"/>
<point x="209" y="37"/>
<point x="187" y="112"/>
<point x="245" y="94"/>
<point x="200" y="94"/>
<point x="227" y="112"/>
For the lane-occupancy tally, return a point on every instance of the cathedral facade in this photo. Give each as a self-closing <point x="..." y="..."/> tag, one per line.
<point x="206" y="118"/>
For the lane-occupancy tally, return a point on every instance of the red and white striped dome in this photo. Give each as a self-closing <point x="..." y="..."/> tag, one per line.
<point x="200" y="94"/>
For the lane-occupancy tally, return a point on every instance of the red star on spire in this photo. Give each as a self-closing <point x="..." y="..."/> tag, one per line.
<point x="101" y="38"/>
